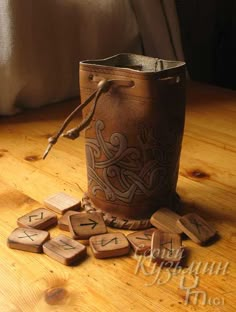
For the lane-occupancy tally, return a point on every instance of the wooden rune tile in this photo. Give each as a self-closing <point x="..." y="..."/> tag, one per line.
<point x="61" y="202"/>
<point x="165" y="220"/>
<point x="64" y="250"/>
<point x="63" y="221"/>
<point x="40" y="218"/>
<point x="141" y="241"/>
<point x="27" y="239"/>
<point x="166" y="247"/>
<point x="196" y="228"/>
<point x="109" y="245"/>
<point x="84" y="225"/>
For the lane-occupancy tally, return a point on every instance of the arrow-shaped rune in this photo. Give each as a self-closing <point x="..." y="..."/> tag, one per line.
<point x="93" y="223"/>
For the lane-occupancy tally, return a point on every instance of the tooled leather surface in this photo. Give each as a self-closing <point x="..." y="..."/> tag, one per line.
<point x="121" y="172"/>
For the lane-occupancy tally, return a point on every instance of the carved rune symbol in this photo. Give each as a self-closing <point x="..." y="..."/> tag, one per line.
<point x="198" y="225"/>
<point x="33" y="216"/>
<point x="104" y="243"/>
<point x="93" y="223"/>
<point x="147" y="237"/>
<point x="29" y="236"/>
<point x="169" y="249"/>
<point x="66" y="245"/>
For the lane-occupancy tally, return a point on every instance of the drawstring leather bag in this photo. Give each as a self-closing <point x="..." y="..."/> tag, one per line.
<point x="133" y="115"/>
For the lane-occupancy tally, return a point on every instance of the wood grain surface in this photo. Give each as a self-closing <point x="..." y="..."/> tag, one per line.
<point x="34" y="282"/>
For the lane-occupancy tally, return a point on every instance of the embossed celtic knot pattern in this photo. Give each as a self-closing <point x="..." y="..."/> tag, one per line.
<point x="121" y="171"/>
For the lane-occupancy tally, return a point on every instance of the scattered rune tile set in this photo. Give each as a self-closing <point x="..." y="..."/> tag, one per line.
<point x="61" y="202"/>
<point x="84" y="225"/>
<point x="109" y="245"/>
<point x="196" y="228"/>
<point x="141" y="241"/>
<point x="40" y="218"/>
<point x="163" y="241"/>
<point x="64" y="249"/>
<point x="166" y="247"/>
<point x="63" y="223"/>
<point x="165" y="220"/>
<point x="28" y="239"/>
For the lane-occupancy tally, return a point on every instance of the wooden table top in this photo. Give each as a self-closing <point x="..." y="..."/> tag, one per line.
<point x="207" y="180"/>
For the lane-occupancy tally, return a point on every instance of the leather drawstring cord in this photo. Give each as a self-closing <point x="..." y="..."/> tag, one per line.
<point x="102" y="87"/>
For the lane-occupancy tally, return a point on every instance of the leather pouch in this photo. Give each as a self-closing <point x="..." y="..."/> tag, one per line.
<point x="133" y="116"/>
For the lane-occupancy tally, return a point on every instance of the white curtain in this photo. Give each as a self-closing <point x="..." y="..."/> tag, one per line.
<point x="42" y="42"/>
<point x="159" y="27"/>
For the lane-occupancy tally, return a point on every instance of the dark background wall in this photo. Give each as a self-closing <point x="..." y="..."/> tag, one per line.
<point x="208" y="30"/>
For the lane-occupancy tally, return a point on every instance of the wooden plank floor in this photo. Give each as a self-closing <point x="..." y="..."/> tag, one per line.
<point x="207" y="185"/>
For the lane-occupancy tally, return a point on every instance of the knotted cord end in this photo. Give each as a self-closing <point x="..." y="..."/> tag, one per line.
<point x="72" y="134"/>
<point x="52" y="141"/>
